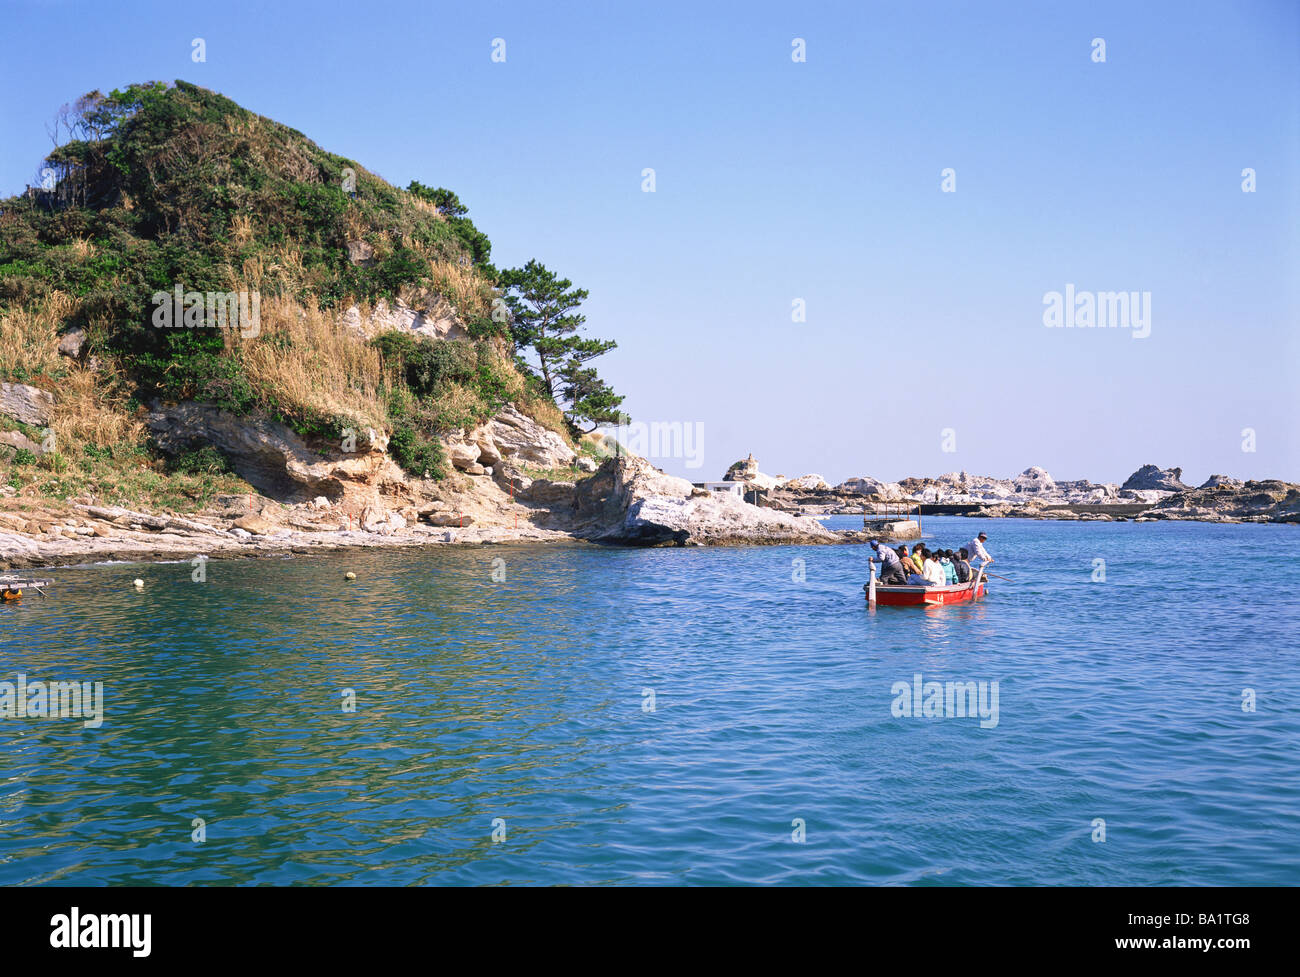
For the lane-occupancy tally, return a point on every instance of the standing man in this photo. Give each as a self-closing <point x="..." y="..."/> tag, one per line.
<point x="891" y="567"/>
<point x="977" y="550"/>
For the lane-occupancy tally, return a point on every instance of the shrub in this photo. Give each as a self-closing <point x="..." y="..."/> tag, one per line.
<point x="426" y="364"/>
<point x="417" y="453"/>
<point x="206" y="460"/>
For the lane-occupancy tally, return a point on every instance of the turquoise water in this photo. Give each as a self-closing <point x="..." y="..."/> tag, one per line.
<point x="526" y="700"/>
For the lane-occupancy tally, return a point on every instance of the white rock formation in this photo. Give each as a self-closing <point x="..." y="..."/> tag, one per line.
<point x="1034" y="481"/>
<point x="814" y="483"/>
<point x="631" y="501"/>
<point x="865" y="485"/>
<point x="437" y="321"/>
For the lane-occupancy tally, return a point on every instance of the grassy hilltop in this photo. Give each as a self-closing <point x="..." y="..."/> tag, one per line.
<point x="156" y="186"/>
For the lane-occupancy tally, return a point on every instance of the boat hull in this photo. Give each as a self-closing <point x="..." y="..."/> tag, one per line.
<point x="896" y="596"/>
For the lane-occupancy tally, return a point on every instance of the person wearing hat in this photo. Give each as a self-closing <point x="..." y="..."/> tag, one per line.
<point x="891" y="567"/>
<point x="977" y="551"/>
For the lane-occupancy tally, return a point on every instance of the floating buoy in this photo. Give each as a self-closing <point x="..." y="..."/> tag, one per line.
<point x="138" y="583"/>
<point x="350" y="575"/>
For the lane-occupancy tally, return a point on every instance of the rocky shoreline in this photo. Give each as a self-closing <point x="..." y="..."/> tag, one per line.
<point x="624" y="502"/>
<point x="515" y="481"/>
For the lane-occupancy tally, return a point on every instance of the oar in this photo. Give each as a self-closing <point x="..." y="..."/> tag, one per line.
<point x="999" y="576"/>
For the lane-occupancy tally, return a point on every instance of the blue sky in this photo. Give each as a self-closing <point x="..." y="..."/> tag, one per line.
<point x="819" y="181"/>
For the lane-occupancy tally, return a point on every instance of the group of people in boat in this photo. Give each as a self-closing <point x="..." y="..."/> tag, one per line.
<point x="926" y="567"/>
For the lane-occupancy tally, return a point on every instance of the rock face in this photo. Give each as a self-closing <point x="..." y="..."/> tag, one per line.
<point x="20" y="442"/>
<point x="31" y="405"/>
<point x="437" y="320"/>
<point x="518" y="438"/>
<point x="272" y="457"/>
<point x="631" y="502"/>
<point x="1152" y="478"/>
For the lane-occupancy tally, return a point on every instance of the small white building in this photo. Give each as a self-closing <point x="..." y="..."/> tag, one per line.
<point x="735" y="488"/>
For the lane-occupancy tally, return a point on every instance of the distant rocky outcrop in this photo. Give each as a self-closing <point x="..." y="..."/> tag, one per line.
<point x="1154" y="478"/>
<point x="872" y="488"/>
<point x="747" y="471"/>
<point x="1034" y="486"/>
<point x="810" y="483"/>
<point x="1034" y="481"/>
<point x="1269" y="500"/>
<point x="1217" y="481"/>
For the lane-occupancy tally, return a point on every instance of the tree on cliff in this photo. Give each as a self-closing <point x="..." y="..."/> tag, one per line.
<point x="456" y="215"/>
<point x="544" y="318"/>
<point x="591" y="399"/>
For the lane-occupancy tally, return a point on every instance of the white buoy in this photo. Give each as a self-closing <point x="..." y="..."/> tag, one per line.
<point x="138" y="583"/>
<point x="350" y="575"/>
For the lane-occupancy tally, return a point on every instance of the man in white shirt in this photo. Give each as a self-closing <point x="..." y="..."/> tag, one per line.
<point x="977" y="551"/>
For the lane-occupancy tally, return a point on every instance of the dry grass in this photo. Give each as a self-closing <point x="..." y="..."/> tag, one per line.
<point x="29" y="342"/>
<point x="354" y="223"/>
<point x="461" y="285"/>
<point x="88" y="411"/>
<point x="419" y="203"/>
<point x="544" y="413"/>
<point x="306" y="359"/>
<point x="241" y="230"/>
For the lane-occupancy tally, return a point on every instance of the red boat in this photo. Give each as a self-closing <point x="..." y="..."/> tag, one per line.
<point x="896" y="595"/>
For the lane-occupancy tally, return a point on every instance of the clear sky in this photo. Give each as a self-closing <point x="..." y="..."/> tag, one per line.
<point x="819" y="180"/>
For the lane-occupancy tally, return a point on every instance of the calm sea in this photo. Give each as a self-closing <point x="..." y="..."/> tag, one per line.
<point x="556" y="715"/>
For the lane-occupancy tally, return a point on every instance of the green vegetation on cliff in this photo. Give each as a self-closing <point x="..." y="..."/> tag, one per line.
<point x="158" y="189"/>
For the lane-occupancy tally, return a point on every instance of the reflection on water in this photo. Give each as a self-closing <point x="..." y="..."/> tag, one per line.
<point x="529" y="700"/>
